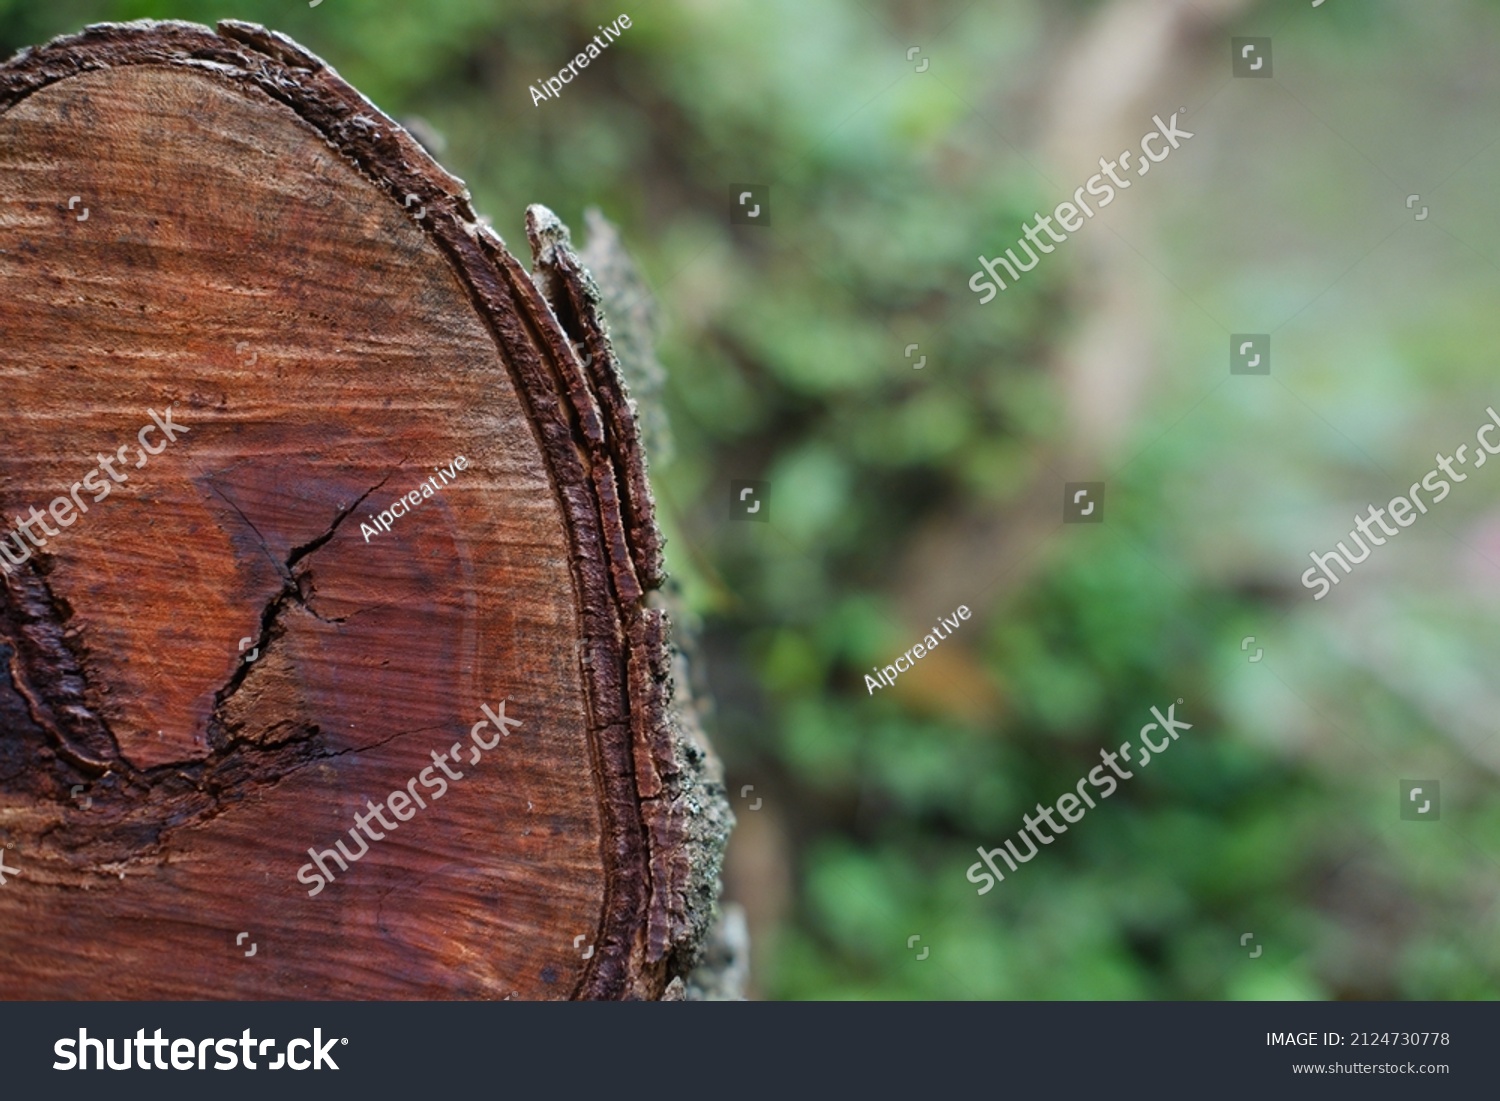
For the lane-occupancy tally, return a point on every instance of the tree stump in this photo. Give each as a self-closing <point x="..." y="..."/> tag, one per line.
<point x="333" y="662"/>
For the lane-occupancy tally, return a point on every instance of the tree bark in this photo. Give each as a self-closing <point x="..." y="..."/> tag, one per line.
<point x="267" y="627"/>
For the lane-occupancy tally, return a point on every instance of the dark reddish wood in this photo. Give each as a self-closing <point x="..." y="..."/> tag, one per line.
<point x="276" y="260"/>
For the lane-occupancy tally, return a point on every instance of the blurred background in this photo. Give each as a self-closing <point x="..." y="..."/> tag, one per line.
<point x="901" y="484"/>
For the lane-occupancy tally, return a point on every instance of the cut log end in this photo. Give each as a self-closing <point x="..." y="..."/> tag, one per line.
<point x="329" y="607"/>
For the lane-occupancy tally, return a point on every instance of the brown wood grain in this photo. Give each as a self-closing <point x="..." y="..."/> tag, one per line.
<point x="250" y="258"/>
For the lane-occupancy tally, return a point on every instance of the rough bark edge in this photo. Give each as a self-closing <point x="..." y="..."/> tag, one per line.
<point x="647" y="935"/>
<point x="608" y="309"/>
<point x="678" y="777"/>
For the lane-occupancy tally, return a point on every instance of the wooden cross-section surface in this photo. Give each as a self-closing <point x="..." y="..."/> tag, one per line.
<point x="365" y="489"/>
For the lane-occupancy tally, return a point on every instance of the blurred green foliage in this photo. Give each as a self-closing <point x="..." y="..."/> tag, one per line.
<point x="784" y="348"/>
